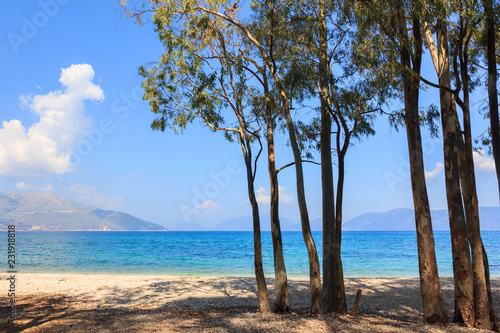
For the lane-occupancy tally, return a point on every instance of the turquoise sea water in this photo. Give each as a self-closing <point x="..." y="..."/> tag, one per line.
<point x="391" y="254"/>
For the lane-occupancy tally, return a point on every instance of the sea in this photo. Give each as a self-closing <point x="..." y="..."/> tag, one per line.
<point x="370" y="253"/>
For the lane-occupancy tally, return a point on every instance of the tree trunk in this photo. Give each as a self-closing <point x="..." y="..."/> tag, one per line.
<point x="281" y="302"/>
<point x="262" y="295"/>
<point x="492" y="85"/>
<point x="430" y="288"/>
<point x="462" y="268"/>
<point x="341" y="306"/>
<point x="328" y="200"/>
<point x="481" y="301"/>
<point x="314" y="269"/>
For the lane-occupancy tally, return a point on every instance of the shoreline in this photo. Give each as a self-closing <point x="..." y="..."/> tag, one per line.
<point x="52" y="302"/>
<point x="268" y="276"/>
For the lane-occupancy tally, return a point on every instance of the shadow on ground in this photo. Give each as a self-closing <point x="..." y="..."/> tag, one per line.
<point x="385" y="307"/>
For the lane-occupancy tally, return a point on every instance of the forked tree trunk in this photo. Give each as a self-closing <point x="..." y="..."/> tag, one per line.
<point x="430" y="288"/>
<point x="462" y="267"/>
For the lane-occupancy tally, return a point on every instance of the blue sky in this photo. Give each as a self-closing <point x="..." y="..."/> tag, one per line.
<point x="74" y="124"/>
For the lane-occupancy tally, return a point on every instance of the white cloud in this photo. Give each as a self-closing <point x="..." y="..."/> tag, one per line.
<point x="264" y="198"/>
<point x="45" y="147"/>
<point x="89" y="195"/>
<point x="24" y="186"/>
<point x="207" y="205"/>
<point x="431" y="175"/>
<point x="483" y="163"/>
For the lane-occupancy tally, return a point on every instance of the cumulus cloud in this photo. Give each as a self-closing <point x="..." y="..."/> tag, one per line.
<point x="207" y="205"/>
<point x="264" y="197"/>
<point x="90" y="195"/>
<point x="431" y="175"/>
<point x="45" y="147"/>
<point x="24" y="186"/>
<point x="483" y="163"/>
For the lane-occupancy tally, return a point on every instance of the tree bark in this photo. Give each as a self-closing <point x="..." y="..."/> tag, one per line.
<point x="281" y="284"/>
<point x="492" y="85"/>
<point x="263" y="298"/>
<point x="328" y="201"/>
<point x="482" y="304"/>
<point x="314" y="269"/>
<point x="341" y="303"/>
<point x="462" y="268"/>
<point x="430" y="288"/>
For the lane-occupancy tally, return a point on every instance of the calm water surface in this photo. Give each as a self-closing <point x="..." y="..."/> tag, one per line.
<point x="226" y="253"/>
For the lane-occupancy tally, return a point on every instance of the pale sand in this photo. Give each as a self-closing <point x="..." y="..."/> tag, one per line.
<point x="161" y="303"/>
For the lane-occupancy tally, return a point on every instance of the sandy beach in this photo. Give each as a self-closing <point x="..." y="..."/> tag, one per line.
<point x="163" y="303"/>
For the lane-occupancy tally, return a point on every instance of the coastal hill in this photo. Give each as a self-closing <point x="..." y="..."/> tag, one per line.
<point x="50" y="212"/>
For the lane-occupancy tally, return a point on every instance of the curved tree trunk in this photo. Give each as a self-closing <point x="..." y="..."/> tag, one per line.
<point x="314" y="269"/>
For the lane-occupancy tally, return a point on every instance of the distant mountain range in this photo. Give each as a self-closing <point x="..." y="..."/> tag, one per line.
<point x="401" y="219"/>
<point x="404" y="219"/>
<point x="50" y="212"/>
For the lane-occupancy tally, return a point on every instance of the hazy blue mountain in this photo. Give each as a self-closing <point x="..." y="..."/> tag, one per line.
<point x="401" y="219"/>
<point x="246" y="224"/>
<point x="404" y="219"/>
<point x="47" y="211"/>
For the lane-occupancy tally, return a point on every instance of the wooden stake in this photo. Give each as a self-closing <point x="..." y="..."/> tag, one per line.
<point x="356" y="303"/>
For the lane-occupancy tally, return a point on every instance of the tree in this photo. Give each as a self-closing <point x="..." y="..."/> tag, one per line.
<point x="468" y="20"/>
<point x="265" y="35"/>
<point x="472" y="300"/>
<point x="317" y="65"/>
<point x="202" y="75"/>
<point x="403" y="55"/>
<point x="492" y="84"/>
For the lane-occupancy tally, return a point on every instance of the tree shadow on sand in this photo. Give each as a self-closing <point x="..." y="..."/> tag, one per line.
<point x="390" y="305"/>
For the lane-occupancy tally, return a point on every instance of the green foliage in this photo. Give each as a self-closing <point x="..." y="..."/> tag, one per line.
<point x="200" y="75"/>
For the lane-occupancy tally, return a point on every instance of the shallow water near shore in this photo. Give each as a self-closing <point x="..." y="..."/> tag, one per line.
<point x="375" y="254"/>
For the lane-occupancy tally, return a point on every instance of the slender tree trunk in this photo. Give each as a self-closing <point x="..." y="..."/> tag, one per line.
<point x="430" y="288"/>
<point x="263" y="298"/>
<point x="314" y="269"/>
<point x="432" y="297"/>
<point x="481" y="301"/>
<point x="328" y="200"/>
<point x="341" y="306"/>
<point x="492" y="85"/>
<point x="281" y="302"/>
<point x="462" y="267"/>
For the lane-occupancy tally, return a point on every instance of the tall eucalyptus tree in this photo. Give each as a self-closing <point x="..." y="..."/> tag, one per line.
<point x="398" y="50"/>
<point x="203" y="75"/>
